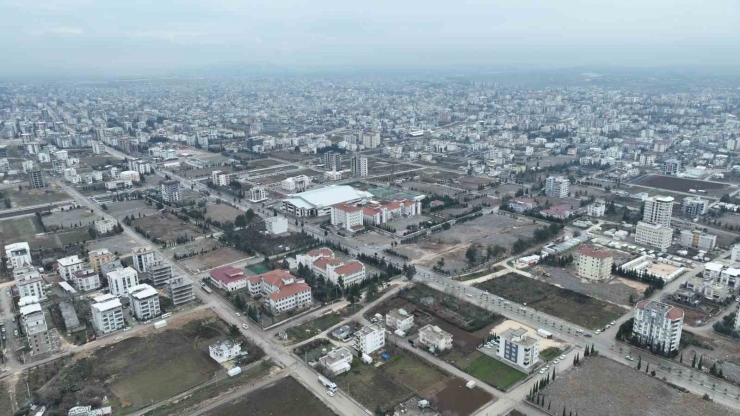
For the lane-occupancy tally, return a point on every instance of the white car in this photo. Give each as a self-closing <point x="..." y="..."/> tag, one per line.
<point x="128" y="328"/>
<point x="245" y="326"/>
<point x="613" y="323"/>
<point x="543" y="371"/>
<point x="238" y="314"/>
<point x="579" y="330"/>
<point x="562" y="357"/>
<point x="597" y="332"/>
<point x="119" y="338"/>
<point x="556" y="361"/>
<point x="330" y="393"/>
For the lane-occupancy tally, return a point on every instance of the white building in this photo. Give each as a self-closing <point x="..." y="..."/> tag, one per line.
<point x="693" y="206"/>
<point x="170" y="190"/>
<point x="143" y="257"/>
<point x="433" y="336"/>
<point x="107" y="313"/>
<point x="18" y="254"/>
<point x="105" y="226"/>
<point x="69" y="265"/>
<point x="516" y="347"/>
<point x="140" y="166"/>
<point x="557" y="187"/>
<point x="594" y="265"/>
<point x="119" y="281"/>
<point x="130" y="176"/>
<point x="597" y="209"/>
<point x="257" y="194"/>
<point x="697" y="239"/>
<point x="654" y="235"/>
<point x="281" y="289"/>
<point x="359" y="166"/>
<point x="658" y="210"/>
<point x="318" y="202"/>
<point x="229" y="278"/>
<point x="347" y="217"/>
<point x="86" y="279"/>
<point x="144" y="301"/>
<point x="350" y="273"/>
<point x="658" y="324"/>
<point x="337" y="361"/>
<point x="296" y="183"/>
<point x="223" y="351"/>
<point x="735" y="255"/>
<point x="370" y="339"/>
<point x="220" y="178"/>
<point x="672" y="167"/>
<point x="399" y="319"/>
<point x="276" y="225"/>
<point x="29" y="282"/>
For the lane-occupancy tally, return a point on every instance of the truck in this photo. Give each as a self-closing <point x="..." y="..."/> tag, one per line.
<point x="544" y="333"/>
<point x="160" y="324"/>
<point x="328" y="383"/>
<point x="367" y="359"/>
<point x="234" y="371"/>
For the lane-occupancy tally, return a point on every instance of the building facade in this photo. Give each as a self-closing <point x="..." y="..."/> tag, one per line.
<point x="432" y="336"/>
<point x="557" y="187"/>
<point x="144" y="301"/>
<point x="370" y="339"/>
<point x="658" y="325"/>
<point x="594" y="265"/>
<point x="119" y="281"/>
<point x="107" y="313"/>
<point x="18" y="254"/>
<point x="170" y="190"/>
<point x="516" y="347"/>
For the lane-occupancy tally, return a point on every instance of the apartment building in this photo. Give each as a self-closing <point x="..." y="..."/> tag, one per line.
<point x="658" y="325"/>
<point x="672" y="167"/>
<point x="34" y="325"/>
<point x="180" y="290"/>
<point x="158" y="271"/>
<point x="697" y="239"/>
<point x="99" y="257"/>
<point x="36" y="179"/>
<point x="332" y="161"/>
<point x="282" y="291"/>
<point x="170" y="190"/>
<point x="557" y="187"/>
<point x="399" y="319"/>
<point x="86" y="279"/>
<point x="18" y="254"/>
<point x="654" y="235"/>
<point x="516" y="347"/>
<point x="28" y="281"/>
<point x="257" y="194"/>
<point x="219" y="178"/>
<point x="432" y="336"/>
<point x="144" y="301"/>
<point x="597" y="209"/>
<point x="225" y="350"/>
<point x="370" y="339"/>
<point x="105" y="226"/>
<point x="658" y="210"/>
<point x="119" y="281"/>
<point x="143" y="256"/>
<point x="694" y="206"/>
<point x="276" y="225"/>
<point x="107" y="313"/>
<point x="359" y="166"/>
<point x="347" y="217"/>
<point x="594" y="265"/>
<point x="68" y="265"/>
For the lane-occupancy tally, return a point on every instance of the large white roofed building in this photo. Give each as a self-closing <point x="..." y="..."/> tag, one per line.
<point x="318" y="202"/>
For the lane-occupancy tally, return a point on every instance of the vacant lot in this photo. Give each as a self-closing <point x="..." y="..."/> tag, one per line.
<point x="222" y="212"/>
<point x="313" y="327"/>
<point x="372" y="387"/>
<point x="630" y="393"/>
<point x="120" y="244"/>
<point x="456" y="399"/>
<point x="141" y="370"/>
<point x="18" y="229"/>
<point x="550" y="353"/>
<point x="415" y="373"/>
<point x="262" y="163"/>
<point x="565" y="304"/>
<point x="451" y="244"/>
<point x="133" y="208"/>
<point x="614" y="291"/>
<point x="453" y="310"/>
<point x="673" y="183"/>
<point x="490" y="370"/>
<point x="212" y="259"/>
<point x="431" y="189"/>
<point x="287" y="397"/>
<point x="29" y="197"/>
<point x="165" y="227"/>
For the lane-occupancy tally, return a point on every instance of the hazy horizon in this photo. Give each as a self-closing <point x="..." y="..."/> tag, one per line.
<point x="136" y="38"/>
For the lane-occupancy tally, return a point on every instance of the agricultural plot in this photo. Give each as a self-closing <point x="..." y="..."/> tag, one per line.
<point x="372" y="387"/>
<point x="118" y="244"/>
<point x="457" y="399"/>
<point x="287" y="397"/>
<point x="630" y="393"/>
<point x="672" y="183"/>
<point x="262" y="164"/>
<point x="566" y="304"/>
<point x="211" y="259"/>
<point x="490" y="370"/>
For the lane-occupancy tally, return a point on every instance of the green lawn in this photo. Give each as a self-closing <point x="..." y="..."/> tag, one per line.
<point x="308" y="329"/>
<point x="493" y="371"/>
<point x="34" y="197"/>
<point x="550" y="353"/>
<point x="19" y="229"/>
<point x="258" y="268"/>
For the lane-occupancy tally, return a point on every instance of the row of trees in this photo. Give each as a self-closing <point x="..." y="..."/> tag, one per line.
<point x="539" y="236"/>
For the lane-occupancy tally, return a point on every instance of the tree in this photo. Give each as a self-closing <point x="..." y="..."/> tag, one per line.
<point x="699" y="366"/>
<point x="693" y="361"/>
<point x="410" y="272"/>
<point x="249" y="215"/>
<point x="240" y="221"/>
<point x="234" y="331"/>
<point x="647" y="368"/>
<point x="639" y="363"/>
<point x="441" y="262"/>
<point x="93" y="233"/>
<point x="471" y="254"/>
<point x="104" y="207"/>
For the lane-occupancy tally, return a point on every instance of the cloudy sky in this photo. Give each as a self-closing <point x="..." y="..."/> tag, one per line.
<point x="135" y="37"/>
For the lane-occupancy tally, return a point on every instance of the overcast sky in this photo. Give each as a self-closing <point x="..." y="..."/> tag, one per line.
<point x="117" y="37"/>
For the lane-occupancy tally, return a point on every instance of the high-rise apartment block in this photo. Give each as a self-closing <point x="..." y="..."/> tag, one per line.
<point x="36" y="179"/>
<point x="332" y="161"/>
<point x="557" y="187"/>
<point x="359" y="166"/>
<point x="170" y="190"/>
<point x="658" y="325"/>
<point x="655" y="228"/>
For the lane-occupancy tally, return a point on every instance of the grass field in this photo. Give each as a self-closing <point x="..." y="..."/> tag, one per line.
<point x="565" y="304"/>
<point x="550" y="353"/>
<point x="287" y="397"/>
<point x="449" y="308"/>
<point x="490" y="370"/>
<point x="314" y="327"/>
<point x="415" y="373"/>
<point x="18" y="229"/>
<point x="30" y="197"/>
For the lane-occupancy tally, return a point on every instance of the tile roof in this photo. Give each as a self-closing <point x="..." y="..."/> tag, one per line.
<point x="322" y="262"/>
<point x="227" y="274"/>
<point x="352" y="266"/>
<point x="276" y="277"/>
<point x="590" y="252"/>
<point x="289" y="290"/>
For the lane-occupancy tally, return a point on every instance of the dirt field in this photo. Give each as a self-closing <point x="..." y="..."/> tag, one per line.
<point x="222" y="212"/>
<point x="630" y="393"/>
<point x="457" y="312"/>
<point x="562" y="303"/>
<point x="431" y="189"/>
<point x="415" y="373"/>
<point x="673" y="183"/>
<point x="451" y="244"/>
<point x="133" y="207"/>
<point x="140" y="370"/>
<point x="262" y="163"/>
<point x="166" y="227"/>
<point x="121" y="244"/>
<point x="458" y="399"/>
<point x="615" y="291"/>
<point x="287" y="397"/>
<point x="372" y="387"/>
<point x="68" y="218"/>
<point x="211" y="259"/>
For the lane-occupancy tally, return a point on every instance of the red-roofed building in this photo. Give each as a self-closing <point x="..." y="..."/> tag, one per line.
<point x="351" y="273"/>
<point x="658" y="325"/>
<point x="229" y="278"/>
<point x="281" y="289"/>
<point x="348" y="217"/>
<point x="308" y="258"/>
<point x="322" y="265"/>
<point x="381" y="213"/>
<point x="594" y="265"/>
<point x="558" y="211"/>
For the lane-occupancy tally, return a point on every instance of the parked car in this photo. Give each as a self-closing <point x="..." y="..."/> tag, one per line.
<point x="330" y="393"/>
<point x="613" y="323"/>
<point x="562" y="357"/>
<point x="245" y="326"/>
